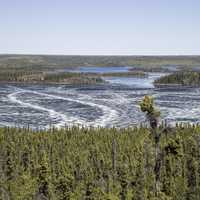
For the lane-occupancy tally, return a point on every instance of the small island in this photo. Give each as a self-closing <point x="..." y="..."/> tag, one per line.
<point x="181" y="78"/>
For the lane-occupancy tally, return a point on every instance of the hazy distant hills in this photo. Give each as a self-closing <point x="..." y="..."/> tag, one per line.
<point x="73" y="61"/>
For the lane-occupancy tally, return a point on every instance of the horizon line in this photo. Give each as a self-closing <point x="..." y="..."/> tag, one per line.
<point x="120" y="55"/>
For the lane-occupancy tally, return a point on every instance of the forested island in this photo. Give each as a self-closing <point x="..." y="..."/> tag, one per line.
<point x="54" y="78"/>
<point x="182" y="78"/>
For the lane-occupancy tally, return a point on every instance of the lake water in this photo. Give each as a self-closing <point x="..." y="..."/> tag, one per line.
<point x="114" y="103"/>
<point x="99" y="69"/>
<point x="146" y="82"/>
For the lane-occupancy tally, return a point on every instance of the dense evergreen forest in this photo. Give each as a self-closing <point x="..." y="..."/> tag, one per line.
<point x="184" y="78"/>
<point x="99" y="163"/>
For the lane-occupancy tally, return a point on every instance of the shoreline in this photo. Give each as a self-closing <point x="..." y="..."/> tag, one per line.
<point x="50" y="83"/>
<point x="157" y="85"/>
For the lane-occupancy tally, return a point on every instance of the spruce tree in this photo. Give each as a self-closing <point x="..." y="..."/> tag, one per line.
<point x="147" y="106"/>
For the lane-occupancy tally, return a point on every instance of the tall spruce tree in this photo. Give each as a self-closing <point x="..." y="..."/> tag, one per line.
<point x="152" y="114"/>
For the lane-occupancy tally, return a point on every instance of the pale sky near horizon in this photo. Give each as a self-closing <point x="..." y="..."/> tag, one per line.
<point x="100" y="27"/>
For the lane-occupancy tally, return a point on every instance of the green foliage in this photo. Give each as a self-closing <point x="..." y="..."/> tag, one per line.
<point x="24" y="187"/>
<point x="100" y="163"/>
<point x="18" y="75"/>
<point x="73" y="78"/>
<point x="147" y="106"/>
<point x="184" y="78"/>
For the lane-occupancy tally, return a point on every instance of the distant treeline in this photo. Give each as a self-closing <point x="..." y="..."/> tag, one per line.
<point x="44" y="77"/>
<point x="18" y="75"/>
<point x="184" y="78"/>
<point x="115" y="164"/>
<point x="51" y="62"/>
<point x="73" y="78"/>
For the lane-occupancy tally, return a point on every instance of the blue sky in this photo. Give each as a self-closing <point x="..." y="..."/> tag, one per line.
<point x="100" y="27"/>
